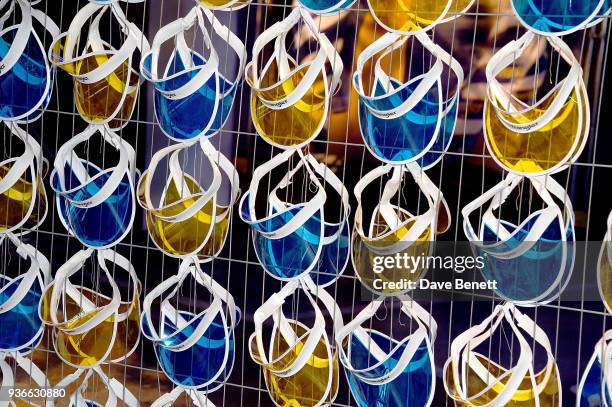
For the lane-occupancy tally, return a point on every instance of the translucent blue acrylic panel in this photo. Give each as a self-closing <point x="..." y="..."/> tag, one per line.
<point x="20" y="325"/>
<point x="556" y="16"/>
<point x="334" y="255"/>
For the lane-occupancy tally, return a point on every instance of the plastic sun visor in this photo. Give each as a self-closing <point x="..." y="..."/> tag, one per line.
<point x="402" y="122"/>
<point x="224" y="4"/>
<point x="195" y="350"/>
<point x="105" y="84"/>
<point x="289" y="239"/>
<point x="471" y="378"/>
<point x="290" y="101"/>
<point x="604" y="267"/>
<point x="541" y="138"/>
<point x="326" y="7"/>
<point x="596" y="382"/>
<point x="394" y="231"/>
<point x="95" y="205"/>
<point x="558" y="17"/>
<point x="23" y="199"/>
<point x="20" y="326"/>
<point x="385" y="371"/>
<point x="182" y="217"/>
<point x="531" y="262"/>
<point x="410" y="16"/>
<point x="300" y="364"/>
<point x="86" y="322"/>
<point x="191" y="82"/>
<point x="26" y="77"/>
<point x="336" y="239"/>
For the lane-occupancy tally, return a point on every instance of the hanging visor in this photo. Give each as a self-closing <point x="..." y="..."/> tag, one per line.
<point x="604" y="267"/>
<point x="404" y="122"/>
<point x="408" y="17"/>
<point x="223" y="211"/>
<point x="290" y="102"/>
<point x="190" y="83"/>
<point x="383" y="371"/>
<point x="596" y="382"/>
<point x="183" y="218"/>
<point x="26" y="78"/>
<point x="198" y="399"/>
<point x="394" y="231"/>
<point x="82" y="379"/>
<point x="96" y="205"/>
<point x="224" y="5"/>
<point x="326" y="7"/>
<point x="541" y="138"/>
<point x="195" y="350"/>
<point x="23" y="199"/>
<point x="35" y="381"/>
<point x="289" y="240"/>
<point x="472" y="379"/>
<point x="559" y="17"/>
<point x="90" y="328"/>
<point x="20" y="327"/>
<point x="533" y="261"/>
<point x="105" y="84"/>
<point x="336" y="239"/>
<point x="300" y="364"/>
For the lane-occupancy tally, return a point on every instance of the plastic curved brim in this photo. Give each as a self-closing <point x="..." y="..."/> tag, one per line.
<point x="128" y="329"/>
<point x="18" y="205"/>
<point x="536" y="275"/>
<point x="405" y="138"/>
<point x="20" y="326"/>
<point x="408" y="16"/>
<point x="604" y="275"/>
<point x="25" y="88"/>
<point x="412" y="387"/>
<point x="310" y="386"/>
<point x="368" y="255"/>
<point x="202" y="363"/>
<point x="292" y="125"/>
<point x="101" y="225"/>
<point x="526" y="395"/>
<point x="185" y="237"/>
<point x="557" y="17"/>
<point x="541" y="151"/>
<point x="334" y="255"/>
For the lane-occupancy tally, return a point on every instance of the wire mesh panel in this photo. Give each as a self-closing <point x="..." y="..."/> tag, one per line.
<point x="307" y="203"/>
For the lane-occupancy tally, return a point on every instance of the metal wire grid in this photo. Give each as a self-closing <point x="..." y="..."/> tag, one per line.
<point x="55" y="242"/>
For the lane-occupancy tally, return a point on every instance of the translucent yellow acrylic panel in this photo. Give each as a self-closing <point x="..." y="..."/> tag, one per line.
<point x="184" y="237"/>
<point x="408" y="15"/>
<point x="217" y="239"/>
<point x="88" y="348"/>
<point x="539" y="150"/>
<point x="308" y="386"/>
<point x="16" y="201"/>
<point x="295" y="124"/>
<point x="365" y="252"/>
<point x="605" y="275"/>
<point x="523" y="397"/>
<point x="128" y="330"/>
<point x="221" y="3"/>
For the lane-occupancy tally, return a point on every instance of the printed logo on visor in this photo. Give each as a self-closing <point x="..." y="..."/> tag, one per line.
<point x="96" y="205"/>
<point x="89" y="327"/>
<point x="290" y="99"/>
<point x="596" y="382"/>
<point x="404" y="122"/>
<point x="20" y="327"/>
<point x="26" y="78"/>
<point x="105" y="84"/>
<point x="383" y="371"/>
<point x="195" y="350"/>
<point x="471" y="378"/>
<point x="542" y="138"/>
<point x="411" y="16"/>
<point x="192" y="83"/>
<point x="299" y="363"/>
<point x="294" y="239"/>
<point x="559" y="17"/>
<point x="394" y="231"/>
<point x="533" y="261"/>
<point x="187" y="219"/>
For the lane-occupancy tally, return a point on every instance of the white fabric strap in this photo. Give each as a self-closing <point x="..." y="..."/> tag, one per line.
<point x="20" y="40"/>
